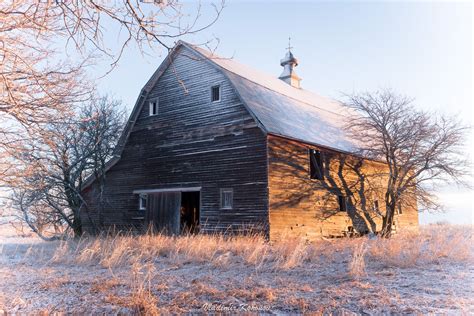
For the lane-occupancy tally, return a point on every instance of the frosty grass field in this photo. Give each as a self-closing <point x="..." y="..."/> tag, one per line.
<point x="415" y="273"/>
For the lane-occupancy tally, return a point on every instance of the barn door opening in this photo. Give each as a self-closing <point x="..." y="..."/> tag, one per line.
<point x="163" y="212"/>
<point x="189" y="215"/>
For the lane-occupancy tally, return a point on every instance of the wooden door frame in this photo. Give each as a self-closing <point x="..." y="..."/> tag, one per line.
<point x="176" y="189"/>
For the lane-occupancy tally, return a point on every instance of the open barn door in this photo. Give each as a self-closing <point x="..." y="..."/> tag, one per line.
<point x="190" y="205"/>
<point x="163" y="212"/>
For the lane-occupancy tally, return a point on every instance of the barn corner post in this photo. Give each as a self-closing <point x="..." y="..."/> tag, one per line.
<point x="100" y="176"/>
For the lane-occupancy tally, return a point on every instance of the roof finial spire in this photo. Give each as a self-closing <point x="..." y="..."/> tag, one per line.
<point x="289" y="63"/>
<point x="289" y="44"/>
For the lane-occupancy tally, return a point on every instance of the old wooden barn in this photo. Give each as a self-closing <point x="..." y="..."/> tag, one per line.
<point x="214" y="146"/>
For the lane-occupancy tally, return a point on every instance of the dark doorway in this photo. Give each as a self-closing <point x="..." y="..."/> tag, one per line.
<point x="189" y="218"/>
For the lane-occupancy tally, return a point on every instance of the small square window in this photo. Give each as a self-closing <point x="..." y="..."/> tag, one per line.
<point x="376" y="206"/>
<point x="342" y="203"/>
<point x="227" y="199"/>
<point x="153" y="107"/>
<point x="316" y="167"/>
<point x="216" y="93"/>
<point x="399" y="209"/>
<point x="142" y="202"/>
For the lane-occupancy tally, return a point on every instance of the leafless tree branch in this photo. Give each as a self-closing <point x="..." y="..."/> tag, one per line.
<point x="419" y="148"/>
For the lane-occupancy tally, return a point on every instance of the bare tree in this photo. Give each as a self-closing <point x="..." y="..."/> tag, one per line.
<point x="38" y="83"/>
<point x="51" y="166"/>
<point x="421" y="150"/>
<point x="46" y="48"/>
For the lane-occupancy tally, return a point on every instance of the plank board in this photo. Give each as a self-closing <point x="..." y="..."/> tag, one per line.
<point x="162" y="212"/>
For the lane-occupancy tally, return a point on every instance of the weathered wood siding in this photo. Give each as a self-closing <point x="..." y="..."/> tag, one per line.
<point x="192" y="142"/>
<point x="300" y="206"/>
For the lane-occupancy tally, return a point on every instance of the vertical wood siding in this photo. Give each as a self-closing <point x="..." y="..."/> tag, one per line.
<point x="192" y="142"/>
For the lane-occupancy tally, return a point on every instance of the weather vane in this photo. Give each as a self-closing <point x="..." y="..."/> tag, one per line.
<point x="289" y="44"/>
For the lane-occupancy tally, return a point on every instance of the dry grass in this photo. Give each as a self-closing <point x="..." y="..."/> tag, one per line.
<point x="218" y="250"/>
<point x="432" y="244"/>
<point x="155" y="274"/>
<point x="357" y="263"/>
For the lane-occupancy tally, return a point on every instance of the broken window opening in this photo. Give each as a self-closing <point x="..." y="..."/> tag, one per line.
<point x="399" y="209"/>
<point x="376" y="205"/>
<point x="316" y="165"/>
<point x="342" y="203"/>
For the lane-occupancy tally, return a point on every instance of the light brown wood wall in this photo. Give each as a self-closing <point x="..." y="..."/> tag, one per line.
<point x="300" y="206"/>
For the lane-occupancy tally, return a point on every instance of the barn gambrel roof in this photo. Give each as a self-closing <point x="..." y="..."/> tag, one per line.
<point x="284" y="110"/>
<point x="278" y="108"/>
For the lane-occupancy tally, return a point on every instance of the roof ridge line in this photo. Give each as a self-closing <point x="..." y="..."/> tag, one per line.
<point x="312" y="105"/>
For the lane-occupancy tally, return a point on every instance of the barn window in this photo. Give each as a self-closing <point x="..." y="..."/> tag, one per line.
<point x="153" y="107"/>
<point x="315" y="164"/>
<point x="142" y="201"/>
<point x="216" y="93"/>
<point x="342" y="203"/>
<point x="227" y="199"/>
<point x="376" y="205"/>
<point x="399" y="209"/>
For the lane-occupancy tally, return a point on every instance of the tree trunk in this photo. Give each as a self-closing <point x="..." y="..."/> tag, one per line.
<point x="77" y="225"/>
<point x="387" y="222"/>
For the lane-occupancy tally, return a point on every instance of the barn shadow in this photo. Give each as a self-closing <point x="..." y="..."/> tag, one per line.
<point x="347" y="179"/>
<point x="357" y="192"/>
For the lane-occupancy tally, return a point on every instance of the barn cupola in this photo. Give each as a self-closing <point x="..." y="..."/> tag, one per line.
<point x="289" y="63"/>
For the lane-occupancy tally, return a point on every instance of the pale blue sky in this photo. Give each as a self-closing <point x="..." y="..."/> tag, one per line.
<point x="421" y="49"/>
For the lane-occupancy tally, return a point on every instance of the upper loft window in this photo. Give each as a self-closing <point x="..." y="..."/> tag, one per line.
<point x="316" y="164"/>
<point x="153" y="107"/>
<point x="216" y="93"/>
<point x="227" y="199"/>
